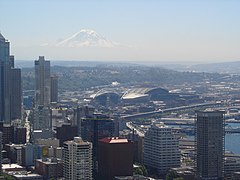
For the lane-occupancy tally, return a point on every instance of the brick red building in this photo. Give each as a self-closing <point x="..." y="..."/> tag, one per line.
<point x="115" y="158"/>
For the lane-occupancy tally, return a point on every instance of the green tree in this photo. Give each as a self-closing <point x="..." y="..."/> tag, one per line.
<point x="171" y="176"/>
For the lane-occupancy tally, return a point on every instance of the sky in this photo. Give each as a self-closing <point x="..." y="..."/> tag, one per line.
<point x="163" y="31"/>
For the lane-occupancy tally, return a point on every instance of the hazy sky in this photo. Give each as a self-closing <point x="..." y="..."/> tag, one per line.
<point x="160" y="30"/>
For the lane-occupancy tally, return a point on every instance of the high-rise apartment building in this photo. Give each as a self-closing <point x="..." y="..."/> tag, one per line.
<point x="161" y="149"/>
<point x="209" y="140"/>
<point x="77" y="159"/>
<point x="54" y="89"/>
<point x="42" y="82"/>
<point x="10" y="85"/>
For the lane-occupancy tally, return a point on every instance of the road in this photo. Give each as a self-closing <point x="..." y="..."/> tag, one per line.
<point x="147" y="114"/>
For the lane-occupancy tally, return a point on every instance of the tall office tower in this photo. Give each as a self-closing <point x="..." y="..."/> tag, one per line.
<point x="12" y="61"/>
<point x="4" y="80"/>
<point x="42" y="82"/>
<point x="209" y="140"/>
<point x="115" y="158"/>
<point x="54" y="89"/>
<point x="41" y="118"/>
<point x="161" y="149"/>
<point x="20" y="135"/>
<point x="77" y="159"/>
<point x="10" y="85"/>
<point x="15" y="94"/>
<point x="93" y="129"/>
<point x="0" y="153"/>
<point x="80" y="113"/>
<point x="7" y="133"/>
<point x="66" y="132"/>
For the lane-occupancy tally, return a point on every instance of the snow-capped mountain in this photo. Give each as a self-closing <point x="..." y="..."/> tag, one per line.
<point x="86" y="38"/>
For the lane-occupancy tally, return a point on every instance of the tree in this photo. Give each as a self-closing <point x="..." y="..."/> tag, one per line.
<point x="171" y="176"/>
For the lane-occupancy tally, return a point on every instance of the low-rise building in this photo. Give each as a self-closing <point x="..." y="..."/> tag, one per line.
<point x="49" y="168"/>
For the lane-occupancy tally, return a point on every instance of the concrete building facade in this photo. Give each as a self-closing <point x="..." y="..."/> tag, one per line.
<point x="77" y="159"/>
<point x="161" y="149"/>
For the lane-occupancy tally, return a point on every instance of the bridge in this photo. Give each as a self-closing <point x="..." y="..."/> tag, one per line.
<point x="191" y="131"/>
<point x="159" y="112"/>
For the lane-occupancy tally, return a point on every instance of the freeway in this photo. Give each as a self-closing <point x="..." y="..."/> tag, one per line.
<point x="137" y="129"/>
<point x="159" y="112"/>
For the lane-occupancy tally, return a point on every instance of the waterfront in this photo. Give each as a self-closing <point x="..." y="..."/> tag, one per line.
<point x="232" y="141"/>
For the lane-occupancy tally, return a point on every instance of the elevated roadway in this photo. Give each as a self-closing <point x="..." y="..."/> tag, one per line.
<point x="159" y="112"/>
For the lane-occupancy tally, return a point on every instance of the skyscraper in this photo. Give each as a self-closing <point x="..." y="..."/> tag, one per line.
<point x="4" y="80"/>
<point x="42" y="94"/>
<point x="41" y="118"/>
<point x="15" y="91"/>
<point x="10" y="85"/>
<point x="66" y="132"/>
<point x="54" y="89"/>
<point x="210" y="144"/>
<point x="0" y="153"/>
<point x="93" y="129"/>
<point x="161" y="149"/>
<point x="42" y="82"/>
<point x="77" y="159"/>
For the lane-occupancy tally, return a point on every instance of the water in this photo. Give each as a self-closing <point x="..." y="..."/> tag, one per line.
<point x="232" y="141"/>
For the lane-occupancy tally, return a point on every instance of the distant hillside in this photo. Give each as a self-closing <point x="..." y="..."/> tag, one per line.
<point x="75" y="78"/>
<point x="73" y="63"/>
<point x="225" y="67"/>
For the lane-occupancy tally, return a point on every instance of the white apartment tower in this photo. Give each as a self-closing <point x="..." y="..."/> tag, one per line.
<point x="161" y="149"/>
<point x="42" y="82"/>
<point x="77" y="159"/>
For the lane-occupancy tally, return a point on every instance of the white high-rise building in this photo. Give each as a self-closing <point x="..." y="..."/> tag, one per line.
<point x="42" y="82"/>
<point x="161" y="149"/>
<point x="77" y="159"/>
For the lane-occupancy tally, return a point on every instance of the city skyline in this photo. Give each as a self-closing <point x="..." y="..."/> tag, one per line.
<point x="153" y="31"/>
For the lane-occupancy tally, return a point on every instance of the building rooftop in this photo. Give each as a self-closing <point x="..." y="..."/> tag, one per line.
<point x="24" y="174"/>
<point x="78" y="140"/>
<point x="49" y="160"/>
<point x="134" y="95"/>
<point x="113" y="140"/>
<point x="11" y="167"/>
